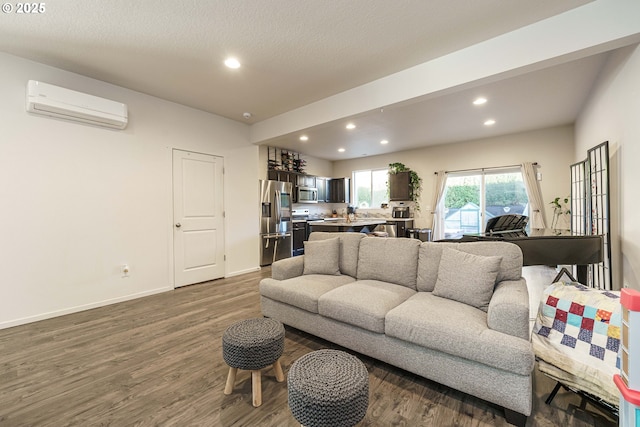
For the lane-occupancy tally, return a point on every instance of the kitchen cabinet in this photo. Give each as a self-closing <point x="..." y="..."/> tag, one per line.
<point x="306" y="181"/>
<point x="400" y="186"/>
<point x="323" y="190"/>
<point x="340" y="190"/>
<point x="284" y="176"/>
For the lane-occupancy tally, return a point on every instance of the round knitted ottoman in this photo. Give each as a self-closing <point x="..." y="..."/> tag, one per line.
<point x="328" y="388"/>
<point x="251" y="345"/>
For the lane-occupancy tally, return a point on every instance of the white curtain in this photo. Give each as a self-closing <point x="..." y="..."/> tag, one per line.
<point x="437" y="211"/>
<point x="536" y="205"/>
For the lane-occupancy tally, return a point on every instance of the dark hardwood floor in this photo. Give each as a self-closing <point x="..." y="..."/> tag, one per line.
<point x="157" y="361"/>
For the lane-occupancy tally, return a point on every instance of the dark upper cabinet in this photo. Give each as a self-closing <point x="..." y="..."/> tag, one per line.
<point x="340" y="190"/>
<point x="323" y="190"/>
<point x="283" y="176"/>
<point x="306" y="181"/>
<point x="400" y="186"/>
<point x="329" y="190"/>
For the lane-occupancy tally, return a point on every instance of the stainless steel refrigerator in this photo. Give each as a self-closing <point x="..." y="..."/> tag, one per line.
<point x="275" y="221"/>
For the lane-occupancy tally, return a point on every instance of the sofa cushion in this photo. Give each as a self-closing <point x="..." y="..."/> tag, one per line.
<point x="457" y="329"/>
<point x="430" y="253"/>
<point x="389" y="260"/>
<point x="467" y="278"/>
<point x="303" y="291"/>
<point x="349" y="247"/>
<point x="322" y="257"/>
<point x="363" y="303"/>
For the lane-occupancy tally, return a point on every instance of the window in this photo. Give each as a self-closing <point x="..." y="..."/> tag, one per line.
<point x="471" y="199"/>
<point x="370" y="188"/>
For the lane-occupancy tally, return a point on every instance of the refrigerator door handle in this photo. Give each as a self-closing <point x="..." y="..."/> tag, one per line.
<point x="278" y="208"/>
<point x="275" y="235"/>
<point x="275" y="251"/>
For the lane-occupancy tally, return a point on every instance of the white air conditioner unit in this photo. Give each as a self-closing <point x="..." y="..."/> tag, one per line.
<point x="55" y="101"/>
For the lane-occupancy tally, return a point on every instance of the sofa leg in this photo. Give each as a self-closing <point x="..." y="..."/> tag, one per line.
<point x="515" y="418"/>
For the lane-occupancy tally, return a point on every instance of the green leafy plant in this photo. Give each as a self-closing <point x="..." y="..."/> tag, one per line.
<point x="414" y="181"/>
<point x="560" y="209"/>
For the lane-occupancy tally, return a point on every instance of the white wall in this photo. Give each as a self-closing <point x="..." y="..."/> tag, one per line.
<point x="612" y="114"/>
<point x="552" y="148"/>
<point x="78" y="201"/>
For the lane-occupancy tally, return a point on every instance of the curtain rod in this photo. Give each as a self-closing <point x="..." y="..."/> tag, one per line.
<point x="486" y="169"/>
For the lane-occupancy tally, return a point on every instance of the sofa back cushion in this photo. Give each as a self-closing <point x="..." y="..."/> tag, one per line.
<point x="389" y="260"/>
<point x="431" y="252"/>
<point x="349" y="248"/>
<point x="322" y="257"/>
<point x="467" y="278"/>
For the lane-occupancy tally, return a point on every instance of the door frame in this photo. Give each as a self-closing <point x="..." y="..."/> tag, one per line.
<point x="170" y="219"/>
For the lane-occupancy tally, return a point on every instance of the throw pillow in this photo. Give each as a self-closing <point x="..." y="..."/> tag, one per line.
<point x="322" y="257"/>
<point x="467" y="278"/>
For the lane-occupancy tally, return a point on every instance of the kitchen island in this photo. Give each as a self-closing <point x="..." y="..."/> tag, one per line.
<point x="342" y="225"/>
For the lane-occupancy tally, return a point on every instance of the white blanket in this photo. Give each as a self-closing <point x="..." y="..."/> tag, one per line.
<point x="577" y="334"/>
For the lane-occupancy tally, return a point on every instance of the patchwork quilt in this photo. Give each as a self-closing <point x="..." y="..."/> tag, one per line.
<point x="577" y="330"/>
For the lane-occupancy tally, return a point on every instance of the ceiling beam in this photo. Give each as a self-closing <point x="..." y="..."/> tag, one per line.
<point x="593" y="28"/>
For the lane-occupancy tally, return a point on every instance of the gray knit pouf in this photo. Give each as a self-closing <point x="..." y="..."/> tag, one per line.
<point x="251" y="345"/>
<point x="328" y="388"/>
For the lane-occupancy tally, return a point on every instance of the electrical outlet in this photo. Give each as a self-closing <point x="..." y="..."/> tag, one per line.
<point x="124" y="270"/>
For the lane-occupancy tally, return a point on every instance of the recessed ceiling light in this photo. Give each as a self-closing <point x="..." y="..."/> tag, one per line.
<point x="480" y="101"/>
<point x="232" y="63"/>
<point x="490" y="122"/>
<point x="341" y="150"/>
<point x="384" y="141"/>
<point x="304" y="138"/>
<point x="350" y="126"/>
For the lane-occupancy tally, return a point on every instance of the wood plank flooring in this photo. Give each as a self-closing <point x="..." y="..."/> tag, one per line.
<point x="157" y="361"/>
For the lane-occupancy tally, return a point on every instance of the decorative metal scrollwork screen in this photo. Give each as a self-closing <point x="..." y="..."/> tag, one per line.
<point x="590" y="208"/>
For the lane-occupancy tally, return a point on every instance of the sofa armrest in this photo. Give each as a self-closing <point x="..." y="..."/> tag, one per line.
<point x="287" y="268"/>
<point x="509" y="308"/>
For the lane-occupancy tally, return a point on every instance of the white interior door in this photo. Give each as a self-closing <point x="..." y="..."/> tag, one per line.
<point x="198" y="236"/>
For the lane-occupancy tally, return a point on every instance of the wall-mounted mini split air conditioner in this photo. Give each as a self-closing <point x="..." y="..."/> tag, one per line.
<point x="55" y="101"/>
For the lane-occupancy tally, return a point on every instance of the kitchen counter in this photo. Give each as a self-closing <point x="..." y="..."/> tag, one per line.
<point x="341" y="222"/>
<point x="341" y="225"/>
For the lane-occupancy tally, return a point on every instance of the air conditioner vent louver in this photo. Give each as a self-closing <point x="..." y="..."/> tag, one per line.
<point x="54" y="101"/>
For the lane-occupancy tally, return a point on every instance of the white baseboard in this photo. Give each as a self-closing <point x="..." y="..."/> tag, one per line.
<point x="76" y="309"/>
<point x="238" y="273"/>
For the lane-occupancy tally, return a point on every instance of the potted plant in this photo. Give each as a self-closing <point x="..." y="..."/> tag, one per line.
<point x="415" y="182"/>
<point x="560" y="210"/>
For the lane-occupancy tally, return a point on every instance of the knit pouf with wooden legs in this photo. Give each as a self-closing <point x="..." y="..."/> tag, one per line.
<point x="328" y="388"/>
<point x="252" y="345"/>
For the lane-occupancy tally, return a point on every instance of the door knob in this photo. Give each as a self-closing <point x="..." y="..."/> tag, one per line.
<point x="178" y="225"/>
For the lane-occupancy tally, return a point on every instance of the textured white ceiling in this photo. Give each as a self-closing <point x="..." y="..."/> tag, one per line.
<point x="293" y="51"/>
<point x="296" y="52"/>
<point x="549" y="97"/>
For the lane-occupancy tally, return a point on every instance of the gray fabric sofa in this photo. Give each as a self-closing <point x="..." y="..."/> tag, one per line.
<point x="455" y="313"/>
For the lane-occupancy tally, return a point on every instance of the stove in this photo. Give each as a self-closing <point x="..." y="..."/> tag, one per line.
<point x="299" y="219"/>
<point x="299" y="215"/>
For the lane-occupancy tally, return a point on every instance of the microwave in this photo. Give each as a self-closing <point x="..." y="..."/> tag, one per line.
<point x="307" y="195"/>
